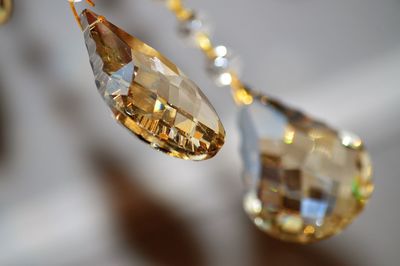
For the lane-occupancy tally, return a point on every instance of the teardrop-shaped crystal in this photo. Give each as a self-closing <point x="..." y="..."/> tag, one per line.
<point x="149" y="95"/>
<point x="305" y="181"/>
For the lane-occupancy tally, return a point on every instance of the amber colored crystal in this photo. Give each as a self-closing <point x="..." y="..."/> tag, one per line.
<point x="149" y="95"/>
<point x="6" y="8"/>
<point x="305" y="181"/>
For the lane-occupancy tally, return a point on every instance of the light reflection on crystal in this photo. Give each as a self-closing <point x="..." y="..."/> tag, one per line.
<point x="225" y="79"/>
<point x="309" y="180"/>
<point x="313" y="209"/>
<point x="350" y="140"/>
<point x="309" y="230"/>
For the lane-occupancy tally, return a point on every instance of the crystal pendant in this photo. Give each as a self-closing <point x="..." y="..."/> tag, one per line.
<point x="6" y="7"/>
<point x="149" y="95"/>
<point x="304" y="180"/>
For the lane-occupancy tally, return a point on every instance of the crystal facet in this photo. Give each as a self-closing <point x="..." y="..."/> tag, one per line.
<point x="304" y="180"/>
<point x="149" y="95"/>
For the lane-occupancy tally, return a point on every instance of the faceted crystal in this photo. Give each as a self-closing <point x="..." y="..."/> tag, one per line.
<point x="149" y="95"/>
<point x="304" y="180"/>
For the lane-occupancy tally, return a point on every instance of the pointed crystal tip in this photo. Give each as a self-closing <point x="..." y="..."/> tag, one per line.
<point x="149" y="95"/>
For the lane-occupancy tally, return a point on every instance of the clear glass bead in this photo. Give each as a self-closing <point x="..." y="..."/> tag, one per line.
<point x="222" y="65"/>
<point x="190" y="28"/>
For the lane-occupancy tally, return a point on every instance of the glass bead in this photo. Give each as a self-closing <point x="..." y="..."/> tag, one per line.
<point x="222" y="65"/>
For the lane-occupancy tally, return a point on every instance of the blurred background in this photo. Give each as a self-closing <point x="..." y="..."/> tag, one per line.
<point x="77" y="189"/>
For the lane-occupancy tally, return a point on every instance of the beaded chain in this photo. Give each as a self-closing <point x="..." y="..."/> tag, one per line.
<point x="220" y="64"/>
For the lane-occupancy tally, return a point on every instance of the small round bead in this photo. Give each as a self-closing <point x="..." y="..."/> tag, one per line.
<point x="192" y="27"/>
<point x="222" y="65"/>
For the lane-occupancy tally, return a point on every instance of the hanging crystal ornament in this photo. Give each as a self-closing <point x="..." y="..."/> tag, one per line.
<point x="6" y="7"/>
<point x="305" y="181"/>
<point x="148" y="94"/>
